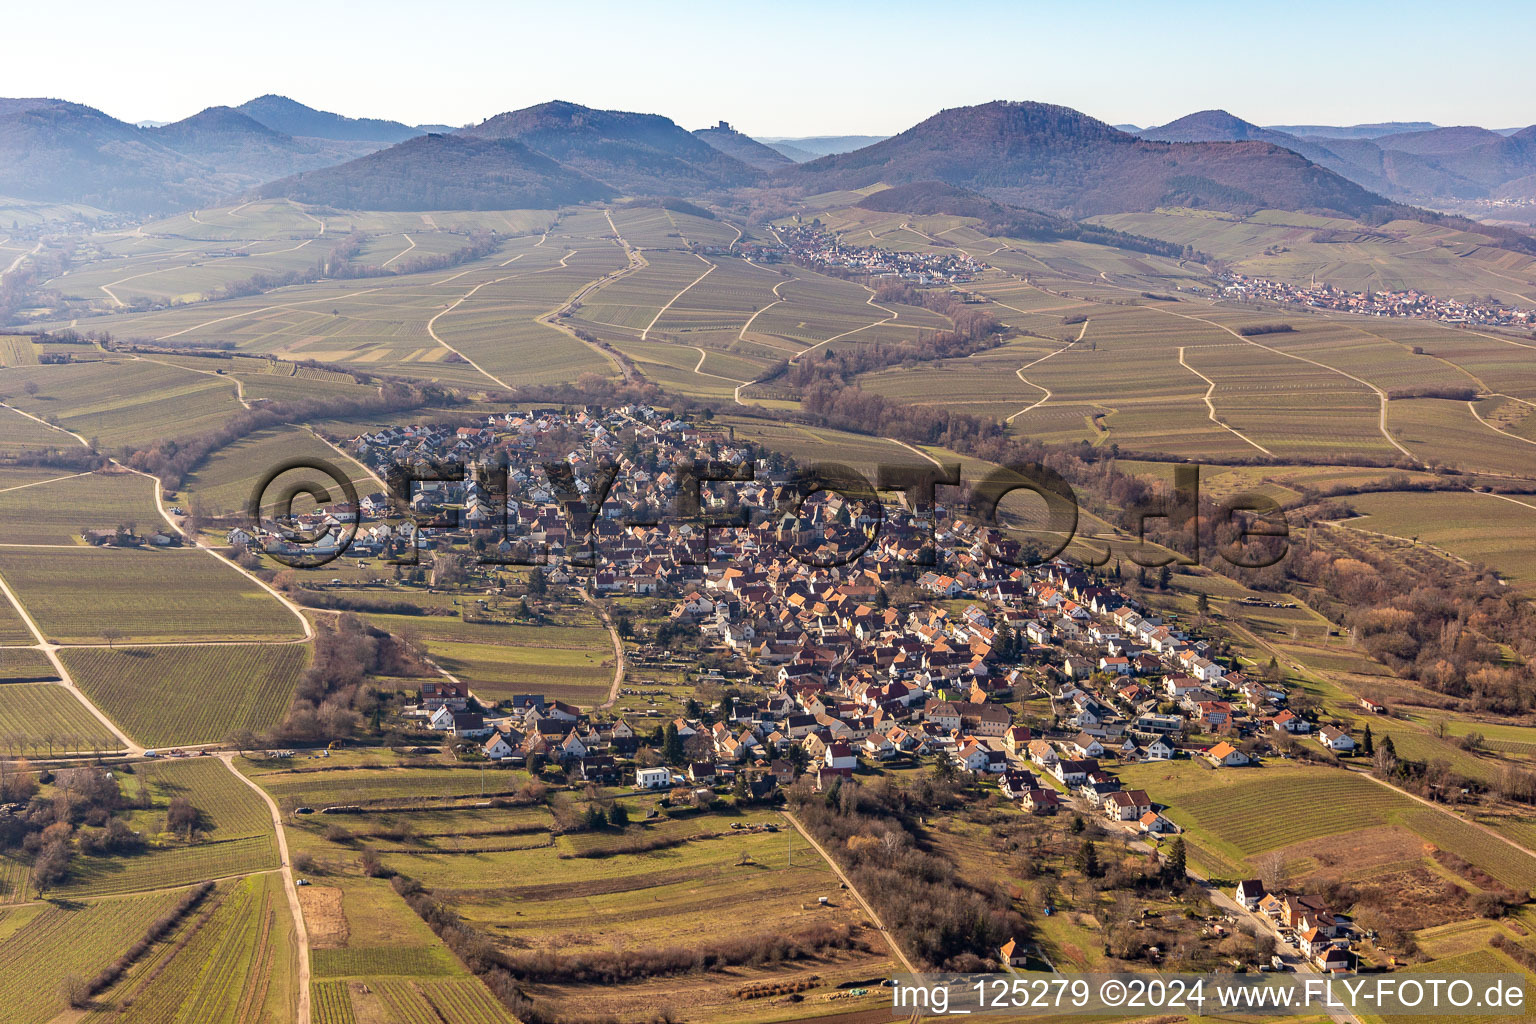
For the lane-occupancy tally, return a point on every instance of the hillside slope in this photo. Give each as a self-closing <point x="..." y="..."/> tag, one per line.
<point x="290" y="117"/>
<point x="443" y="172"/>
<point x="743" y="147"/>
<point x="644" y="154"/>
<point x="1062" y="161"/>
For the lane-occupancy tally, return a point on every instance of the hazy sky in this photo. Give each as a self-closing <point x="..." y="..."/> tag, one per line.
<point x="786" y="67"/>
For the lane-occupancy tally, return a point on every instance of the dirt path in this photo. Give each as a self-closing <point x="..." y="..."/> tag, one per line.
<point x="410" y="244"/>
<point x="18" y="260"/>
<point x="777" y="298"/>
<point x="292" y="890"/>
<point x="618" y="649"/>
<point x="1019" y="373"/>
<point x="1211" y="406"/>
<point x="196" y="543"/>
<point x="660" y="312"/>
<point x="890" y="940"/>
<point x="451" y="307"/>
<point x="1380" y="394"/>
<point x="836" y="337"/>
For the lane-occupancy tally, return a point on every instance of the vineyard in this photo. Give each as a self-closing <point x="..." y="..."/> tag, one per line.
<point x="1513" y="867"/>
<point x="73" y="939"/>
<point x="1262" y="814"/>
<point x="164" y="696"/>
<point x="168" y="867"/>
<point x="456" y="1001"/>
<point x="15" y="880"/>
<point x="411" y="961"/>
<point x="330" y="1004"/>
<point x="41" y="718"/>
<point x="149" y="596"/>
<point x="220" y="969"/>
<point x="230" y="808"/>
<point x="235" y="838"/>
<point x="363" y="785"/>
<point x="23" y="664"/>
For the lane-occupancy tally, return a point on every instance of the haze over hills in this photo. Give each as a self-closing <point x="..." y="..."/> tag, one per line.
<point x="642" y="153"/>
<point x="1353" y="131"/>
<point x="743" y="147"/>
<point x="1418" y="165"/>
<point x="1060" y="160"/>
<point x="227" y="141"/>
<point x="57" y="151"/>
<point x="1029" y="155"/>
<point x="293" y="118"/>
<point x="801" y="150"/>
<point x="444" y="172"/>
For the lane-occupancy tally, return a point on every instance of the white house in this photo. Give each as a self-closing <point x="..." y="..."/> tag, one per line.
<point x="496" y="747"/>
<point x="653" y="778"/>
<point x="841" y="756"/>
<point x="1336" y="741"/>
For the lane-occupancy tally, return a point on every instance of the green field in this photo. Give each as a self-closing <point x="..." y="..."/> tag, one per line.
<point x="148" y="596"/>
<point x="165" y="696"/>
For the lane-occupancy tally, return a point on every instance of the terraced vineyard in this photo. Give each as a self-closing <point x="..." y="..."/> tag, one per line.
<point x="166" y="696"/>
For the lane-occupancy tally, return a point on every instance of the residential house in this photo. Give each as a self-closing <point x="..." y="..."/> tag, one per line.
<point x="1335" y="740"/>
<point x="1249" y="892"/>
<point x="1225" y="755"/>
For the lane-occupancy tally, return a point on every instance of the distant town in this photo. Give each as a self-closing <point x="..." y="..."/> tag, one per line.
<point x="809" y="246"/>
<point x="1411" y="303"/>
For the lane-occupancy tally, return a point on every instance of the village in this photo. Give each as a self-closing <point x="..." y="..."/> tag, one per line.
<point x="1038" y="680"/>
<point x="1409" y="303"/>
<point x="810" y="246"/>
